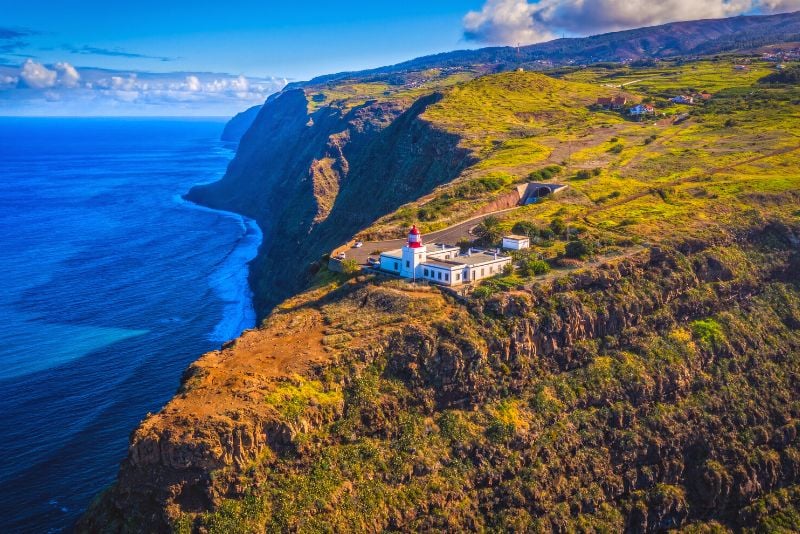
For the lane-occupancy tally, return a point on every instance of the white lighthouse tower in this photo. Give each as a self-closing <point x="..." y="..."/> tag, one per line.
<point x="414" y="254"/>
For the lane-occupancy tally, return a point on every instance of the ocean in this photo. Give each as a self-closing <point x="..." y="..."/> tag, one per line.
<point x="110" y="285"/>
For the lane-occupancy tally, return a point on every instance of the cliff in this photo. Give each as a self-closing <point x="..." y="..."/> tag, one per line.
<point x="651" y="385"/>
<point x="312" y="180"/>
<point x="239" y="124"/>
<point x="646" y="394"/>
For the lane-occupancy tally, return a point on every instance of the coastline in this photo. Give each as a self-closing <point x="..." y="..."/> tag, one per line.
<point x="229" y="281"/>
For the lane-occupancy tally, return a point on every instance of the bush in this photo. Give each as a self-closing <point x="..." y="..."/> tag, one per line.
<point x="558" y="226"/>
<point x="578" y="249"/>
<point x="488" y="230"/>
<point x="533" y="268"/>
<point x="545" y="173"/>
<point x="709" y="332"/>
<point x="350" y="266"/>
<point x="583" y="174"/>
<point x="616" y="149"/>
<point x="525" y="228"/>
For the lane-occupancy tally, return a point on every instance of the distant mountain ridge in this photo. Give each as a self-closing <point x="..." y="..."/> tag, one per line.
<point x="696" y="37"/>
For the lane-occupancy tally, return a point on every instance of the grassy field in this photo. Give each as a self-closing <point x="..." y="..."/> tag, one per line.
<point x="651" y="180"/>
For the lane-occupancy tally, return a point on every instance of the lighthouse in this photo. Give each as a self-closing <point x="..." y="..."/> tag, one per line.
<point x="414" y="254"/>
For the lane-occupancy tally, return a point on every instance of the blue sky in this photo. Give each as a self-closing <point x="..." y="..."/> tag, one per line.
<point x="203" y="57"/>
<point x="287" y="39"/>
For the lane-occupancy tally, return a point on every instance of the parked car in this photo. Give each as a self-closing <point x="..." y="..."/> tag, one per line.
<point x="372" y="261"/>
<point x="358" y="244"/>
<point x="341" y="256"/>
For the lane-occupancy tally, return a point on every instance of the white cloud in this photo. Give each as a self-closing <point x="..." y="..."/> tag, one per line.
<point x="505" y="22"/>
<point x="525" y="22"/>
<point x="37" y="76"/>
<point x="98" y="90"/>
<point x="67" y="75"/>
<point x="779" y="6"/>
<point x="193" y="83"/>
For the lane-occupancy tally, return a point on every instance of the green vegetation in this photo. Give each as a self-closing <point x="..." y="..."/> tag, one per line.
<point x="708" y="332"/>
<point x="786" y="76"/>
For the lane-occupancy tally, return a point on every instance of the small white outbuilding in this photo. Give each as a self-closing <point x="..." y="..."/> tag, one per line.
<point x="516" y="242"/>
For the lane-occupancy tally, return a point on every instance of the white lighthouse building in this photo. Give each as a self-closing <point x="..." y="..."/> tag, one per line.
<point x="440" y="263"/>
<point x="413" y="254"/>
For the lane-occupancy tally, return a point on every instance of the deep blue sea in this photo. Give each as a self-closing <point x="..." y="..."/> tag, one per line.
<point x="110" y="285"/>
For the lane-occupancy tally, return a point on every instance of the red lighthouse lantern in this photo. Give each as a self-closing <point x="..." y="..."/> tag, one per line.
<point x="414" y="238"/>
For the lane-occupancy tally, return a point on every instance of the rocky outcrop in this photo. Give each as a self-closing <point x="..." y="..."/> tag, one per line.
<point x="239" y="124"/>
<point x="312" y="180"/>
<point x="622" y="397"/>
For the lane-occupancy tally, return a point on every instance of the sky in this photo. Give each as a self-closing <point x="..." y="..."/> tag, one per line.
<point x="203" y="57"/>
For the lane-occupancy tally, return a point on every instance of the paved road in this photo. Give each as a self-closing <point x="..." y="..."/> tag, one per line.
<point x="450" y="235"/>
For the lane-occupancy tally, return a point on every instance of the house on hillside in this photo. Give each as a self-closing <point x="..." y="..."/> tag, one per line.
<point x="609" y="102"/>
<point x="641" y="110"/>
<point x="682" y="99"/>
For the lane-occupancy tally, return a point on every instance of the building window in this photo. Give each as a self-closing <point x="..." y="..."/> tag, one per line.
<point x="396" y="266"/>
<point x="458" y="277"/>
<point x="439" y="275"/>
<point x="481" y="271"/>
<point x="408" y="263"/>
<point x="446" y="277"/>
<point x="425" y="272"/>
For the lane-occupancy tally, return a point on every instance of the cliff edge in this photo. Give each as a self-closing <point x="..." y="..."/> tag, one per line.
<point x="313" y="179"/>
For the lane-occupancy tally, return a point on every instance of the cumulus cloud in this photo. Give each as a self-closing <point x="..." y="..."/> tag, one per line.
<point x="525" y="22"/>
<point x="779" y="6"/>
<point x="36" y="76"/>
<point x="67" y="75"/>
<point x="34" y="85"/>
<point x="193" y="83"/>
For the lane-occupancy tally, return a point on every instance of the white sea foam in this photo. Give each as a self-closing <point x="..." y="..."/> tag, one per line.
<point x="229" y="280"/>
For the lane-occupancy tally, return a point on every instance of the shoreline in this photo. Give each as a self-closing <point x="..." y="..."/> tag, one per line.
<point x="229" y="281"/>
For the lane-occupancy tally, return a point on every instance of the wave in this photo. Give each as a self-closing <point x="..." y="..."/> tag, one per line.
<point x="229" y="279"/>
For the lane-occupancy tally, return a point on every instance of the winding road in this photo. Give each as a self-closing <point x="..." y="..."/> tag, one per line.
<point x="450" y="235"/>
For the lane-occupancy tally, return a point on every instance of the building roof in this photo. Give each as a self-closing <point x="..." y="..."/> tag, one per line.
<point x="446" y="264"/>
<point x="478" y="258"/>
<point x="515" y="237"/>
<point x="398" y="253"/>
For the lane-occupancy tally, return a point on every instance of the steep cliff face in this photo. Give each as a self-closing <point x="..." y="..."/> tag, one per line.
<point x="239" y="124"/>
<point x="312" y="180"/>
<point x="645" y="394"/>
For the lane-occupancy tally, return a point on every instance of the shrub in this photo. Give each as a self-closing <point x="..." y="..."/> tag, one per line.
<point x="547" y="234"/>
<point x="708" y="332"/>
<point x="545" y="173"/>
<point x="534" y="267"/>
<point x="350" y="266"/>
<point x="488" y="230"/>
<point x="596" y="171"/>
<point x="558" y="226"/>
<point x="583" y="174"/>
<point x="525" y="228"/>
<point x="578" y="249"/>
<point x="616" y="149"/>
